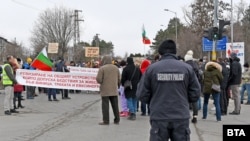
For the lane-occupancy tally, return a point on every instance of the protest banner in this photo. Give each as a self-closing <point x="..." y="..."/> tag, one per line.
<point x="59" y="80"/>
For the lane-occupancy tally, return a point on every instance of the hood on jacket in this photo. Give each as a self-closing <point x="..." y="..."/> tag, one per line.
<point x="130" y="60"/>
<point x="106" y="60"/>
<point x="144" y="65"/>
<point x="189" y="56"/>
<point x="210" y="65"/>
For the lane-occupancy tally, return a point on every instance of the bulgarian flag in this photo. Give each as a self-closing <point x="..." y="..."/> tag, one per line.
<point x="145" y="39"/>
<point x="42" y="62"/>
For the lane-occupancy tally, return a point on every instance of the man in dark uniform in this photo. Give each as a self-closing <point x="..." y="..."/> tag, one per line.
<point x="168" y="86"/>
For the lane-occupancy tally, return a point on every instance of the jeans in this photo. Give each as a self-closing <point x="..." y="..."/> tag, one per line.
<point x="145" y="108"/>
<point x="132" y="105"/>
<point x="51" y="92"/>
<point x="199" y="104"/>
<point x="216" y="97"/>
<point x="245" y="87"/>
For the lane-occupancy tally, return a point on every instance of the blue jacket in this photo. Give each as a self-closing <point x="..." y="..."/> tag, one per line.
<point x="27" y="66"/>
<point x="168" y="86"/>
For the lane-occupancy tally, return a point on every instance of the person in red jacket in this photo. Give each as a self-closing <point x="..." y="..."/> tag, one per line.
<point x="18" y="89"/>
<point x="144" y="65"/>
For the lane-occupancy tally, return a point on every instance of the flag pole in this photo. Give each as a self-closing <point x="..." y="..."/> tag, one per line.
<point x="144" y="50"/>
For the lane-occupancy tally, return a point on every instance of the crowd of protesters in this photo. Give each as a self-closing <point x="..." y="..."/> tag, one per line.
<point x="224" y="73"/>
<point x="166" y="88"/>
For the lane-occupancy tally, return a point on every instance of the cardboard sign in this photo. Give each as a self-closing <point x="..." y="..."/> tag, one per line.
<point x="82" y="70"/>
<point x="53" y="48"/>
<point x="91" y="51"/>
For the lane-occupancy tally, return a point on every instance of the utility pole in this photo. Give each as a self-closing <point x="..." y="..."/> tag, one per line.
<point x="232" y="26"/>
<point x="76" y="31"/>
<point x="215" y="25"/>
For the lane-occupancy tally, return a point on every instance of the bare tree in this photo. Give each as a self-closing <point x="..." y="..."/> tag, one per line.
<point x="200" y="16"/>
<point x="53" y="25"/>
<point x="240" y="10"/>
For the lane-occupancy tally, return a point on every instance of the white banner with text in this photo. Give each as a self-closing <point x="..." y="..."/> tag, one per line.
<point x="59" y="80"/>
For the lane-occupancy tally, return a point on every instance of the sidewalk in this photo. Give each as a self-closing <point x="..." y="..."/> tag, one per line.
<point x="77" y="119"/>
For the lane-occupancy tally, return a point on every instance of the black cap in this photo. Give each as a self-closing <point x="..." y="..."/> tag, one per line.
<point x="167" y="46"/>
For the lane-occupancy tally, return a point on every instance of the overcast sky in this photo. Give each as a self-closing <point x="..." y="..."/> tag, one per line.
<point x="118" y="21"/>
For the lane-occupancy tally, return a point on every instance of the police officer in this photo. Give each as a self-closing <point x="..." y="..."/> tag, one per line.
<point x="168" y="86"/>
<point x="8" y="82"/>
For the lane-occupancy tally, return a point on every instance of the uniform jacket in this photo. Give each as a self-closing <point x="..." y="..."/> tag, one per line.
<point x="108" y="77"/>
<point x="126" y="75"/>
<point x="212" y="74"/>
<point x="168" y="86"/>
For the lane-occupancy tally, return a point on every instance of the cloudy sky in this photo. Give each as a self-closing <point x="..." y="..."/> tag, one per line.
<point x="118" y="21"/>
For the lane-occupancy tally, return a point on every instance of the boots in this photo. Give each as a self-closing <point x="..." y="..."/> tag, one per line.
<point x="14" y="102"/>
<point x="132" y="116"/>
<point x="19" y="102"/>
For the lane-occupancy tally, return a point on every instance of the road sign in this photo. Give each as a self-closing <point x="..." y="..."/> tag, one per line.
<point x="208" y="45"/>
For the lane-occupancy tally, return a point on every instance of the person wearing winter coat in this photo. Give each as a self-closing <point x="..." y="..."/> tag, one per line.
<point x="224" y="98"/>
<point x="144" y="106"/>
<point x="8" y="82"/>
<point x="30" y="90"/>
<point x="133" y="73"/>
<point x="212" y="75"/>
<point x="108" y="77"/>
<point x="188" y="58"/>
<point x="124" y="107"/>
<point x="18" y="89"/>
<point x="61" y="66"/>
<point x="245" y="84"/>
<point x="168" y="86"/>
<point x="234" y="82"/>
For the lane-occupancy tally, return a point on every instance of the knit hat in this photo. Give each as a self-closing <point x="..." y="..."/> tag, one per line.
<point x="189" y="55"/>
<point x="167" y="46"/>
<point x="233" y="55"/>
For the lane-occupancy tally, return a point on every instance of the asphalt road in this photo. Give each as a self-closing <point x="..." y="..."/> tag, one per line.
<point x="77" y="120"/>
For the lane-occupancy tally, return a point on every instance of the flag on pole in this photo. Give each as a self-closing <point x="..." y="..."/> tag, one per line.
<point x="145" y="39"/>
<point x="42" y="62"/>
